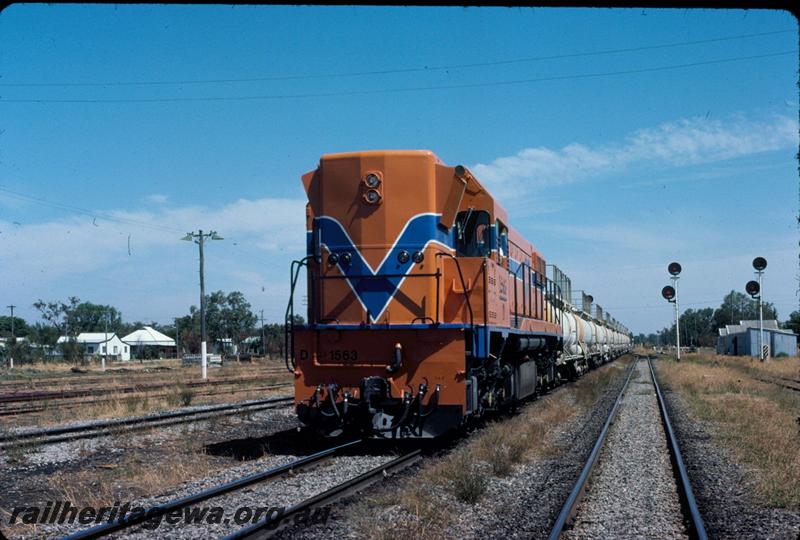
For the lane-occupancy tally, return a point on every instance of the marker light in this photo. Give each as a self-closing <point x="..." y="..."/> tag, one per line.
<point x="418" y="257"/>
<point x="346" y="257"/>
<point x="402" y="257"/>
<point x="333" y="258"/>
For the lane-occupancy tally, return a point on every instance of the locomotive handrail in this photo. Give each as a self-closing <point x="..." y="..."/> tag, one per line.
<point x="288" y="322"/>
<point x="463" y="287"/>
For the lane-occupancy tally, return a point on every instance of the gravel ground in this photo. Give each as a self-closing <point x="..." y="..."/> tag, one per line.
<point x="523" y="505"/>
<point x="28" y="482"/>
<point x="281" y="492"/>
<point x="632" y="491"/>
<point x="47" y="455"/>
<point x="722" y="488"/>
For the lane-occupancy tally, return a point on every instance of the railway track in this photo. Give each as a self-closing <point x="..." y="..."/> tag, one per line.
<point x="6" y="410"/>
<point x="112" y="427"/>
<point x="789" y="384"/>
<point x="112" y="381"/>
<point x="274" y="521"/>
<point x="17" y="397"/>
<point x="579" y="514"/>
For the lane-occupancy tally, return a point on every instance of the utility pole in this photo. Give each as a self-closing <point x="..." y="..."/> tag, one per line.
<point x="105" y="345"/>
<point x="199" y="239"/>
<point x="177" y="338"/>
<point x="263" y="338"/>
<point x="13" y="339"/>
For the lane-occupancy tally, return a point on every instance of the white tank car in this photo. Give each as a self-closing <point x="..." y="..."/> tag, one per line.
<point x="569" y="328"/>
<point x="591" y="336"/>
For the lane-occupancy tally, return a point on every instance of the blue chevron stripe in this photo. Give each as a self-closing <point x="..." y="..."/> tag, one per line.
<point x="375" y="289"/>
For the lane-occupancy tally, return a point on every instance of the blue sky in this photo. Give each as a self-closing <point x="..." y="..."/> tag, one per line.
<point x="611" y="175"/>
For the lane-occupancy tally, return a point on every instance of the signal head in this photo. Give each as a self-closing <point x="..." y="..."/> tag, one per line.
<point x="674" y="268"/>
<point x="759" y="263"/>
<point x="752" y="288"/>
<point x="668" y="293"/>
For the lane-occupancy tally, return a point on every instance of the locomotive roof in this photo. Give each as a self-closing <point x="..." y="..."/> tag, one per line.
<point x="373" y="153"/>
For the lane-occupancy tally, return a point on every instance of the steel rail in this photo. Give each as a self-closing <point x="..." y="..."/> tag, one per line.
<point x="111" y="374"/>
<point x="571" y="505"/>
<point x="104" y="427"/>
<point x="73" y="393"/>
<point x="777" y="383"/>
<point x="277" y="520"/>
<point x="13" y="411"/>
<point x="694" y="521"/>
<point x="134" y="519"/>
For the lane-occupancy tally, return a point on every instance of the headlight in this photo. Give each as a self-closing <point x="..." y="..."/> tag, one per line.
<point x="402" y="257"/>
<point x="372" y="196"/>
<point x="372" y="180"/>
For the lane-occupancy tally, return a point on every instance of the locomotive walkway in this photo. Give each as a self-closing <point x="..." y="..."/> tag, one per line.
<point x="634" y="485"/>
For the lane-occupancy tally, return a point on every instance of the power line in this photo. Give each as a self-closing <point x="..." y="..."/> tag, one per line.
<point x="97" y="215"/>
<point x="401" y="70"/>
<point x="408" y="89"/>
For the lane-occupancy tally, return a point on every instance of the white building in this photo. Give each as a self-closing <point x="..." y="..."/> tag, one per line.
<point x="152" y="338"/>
<point x="100" y="344"/>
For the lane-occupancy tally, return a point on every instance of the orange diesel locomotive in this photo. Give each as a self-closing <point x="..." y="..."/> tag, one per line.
<point x="424" y="307"/>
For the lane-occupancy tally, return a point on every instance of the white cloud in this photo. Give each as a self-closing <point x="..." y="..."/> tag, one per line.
<point x="624" y="236"/>
<point x="89" y="257"/>
<point x="687" y="141"/>
<point x="157" y="198"/>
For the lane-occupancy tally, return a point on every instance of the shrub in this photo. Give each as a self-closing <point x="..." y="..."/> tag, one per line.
<point x="467" y="482"/>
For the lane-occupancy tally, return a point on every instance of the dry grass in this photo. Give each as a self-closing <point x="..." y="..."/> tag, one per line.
<point x="755" y="420"/>
<point x="141" y="472"/>
<point x="175" y="394"/>
<point x="136" y="475"/>
<point x="426" y="505"/>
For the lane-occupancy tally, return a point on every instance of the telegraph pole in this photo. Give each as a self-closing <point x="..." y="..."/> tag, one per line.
<point x="263" y="338"/>
<point x="105" y="345"/>
<point x="177" y="339"/>
<point x="11" y="358"/>
<point x="199" y="239"/>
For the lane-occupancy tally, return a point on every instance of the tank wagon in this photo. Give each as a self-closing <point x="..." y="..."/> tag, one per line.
<point x="425" y="307"/>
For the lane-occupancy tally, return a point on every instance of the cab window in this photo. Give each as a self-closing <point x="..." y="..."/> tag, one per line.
<point x="502" y="239"/>
<point x="473" y="234"/>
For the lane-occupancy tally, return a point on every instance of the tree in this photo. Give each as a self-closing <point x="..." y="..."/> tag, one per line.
<point x="698" y="327"/>
<point x="21" y="328"/>
<point x="793" y="323"/>
<point x="237" y="319"/>
<point x="227" y="316"/>
<point x="62" y="316"/>
<point x="91" y="317"/>
<point x="738" y="306"/>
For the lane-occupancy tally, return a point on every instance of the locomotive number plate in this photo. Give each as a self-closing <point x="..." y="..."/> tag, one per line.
<point x="342" y="355"/>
